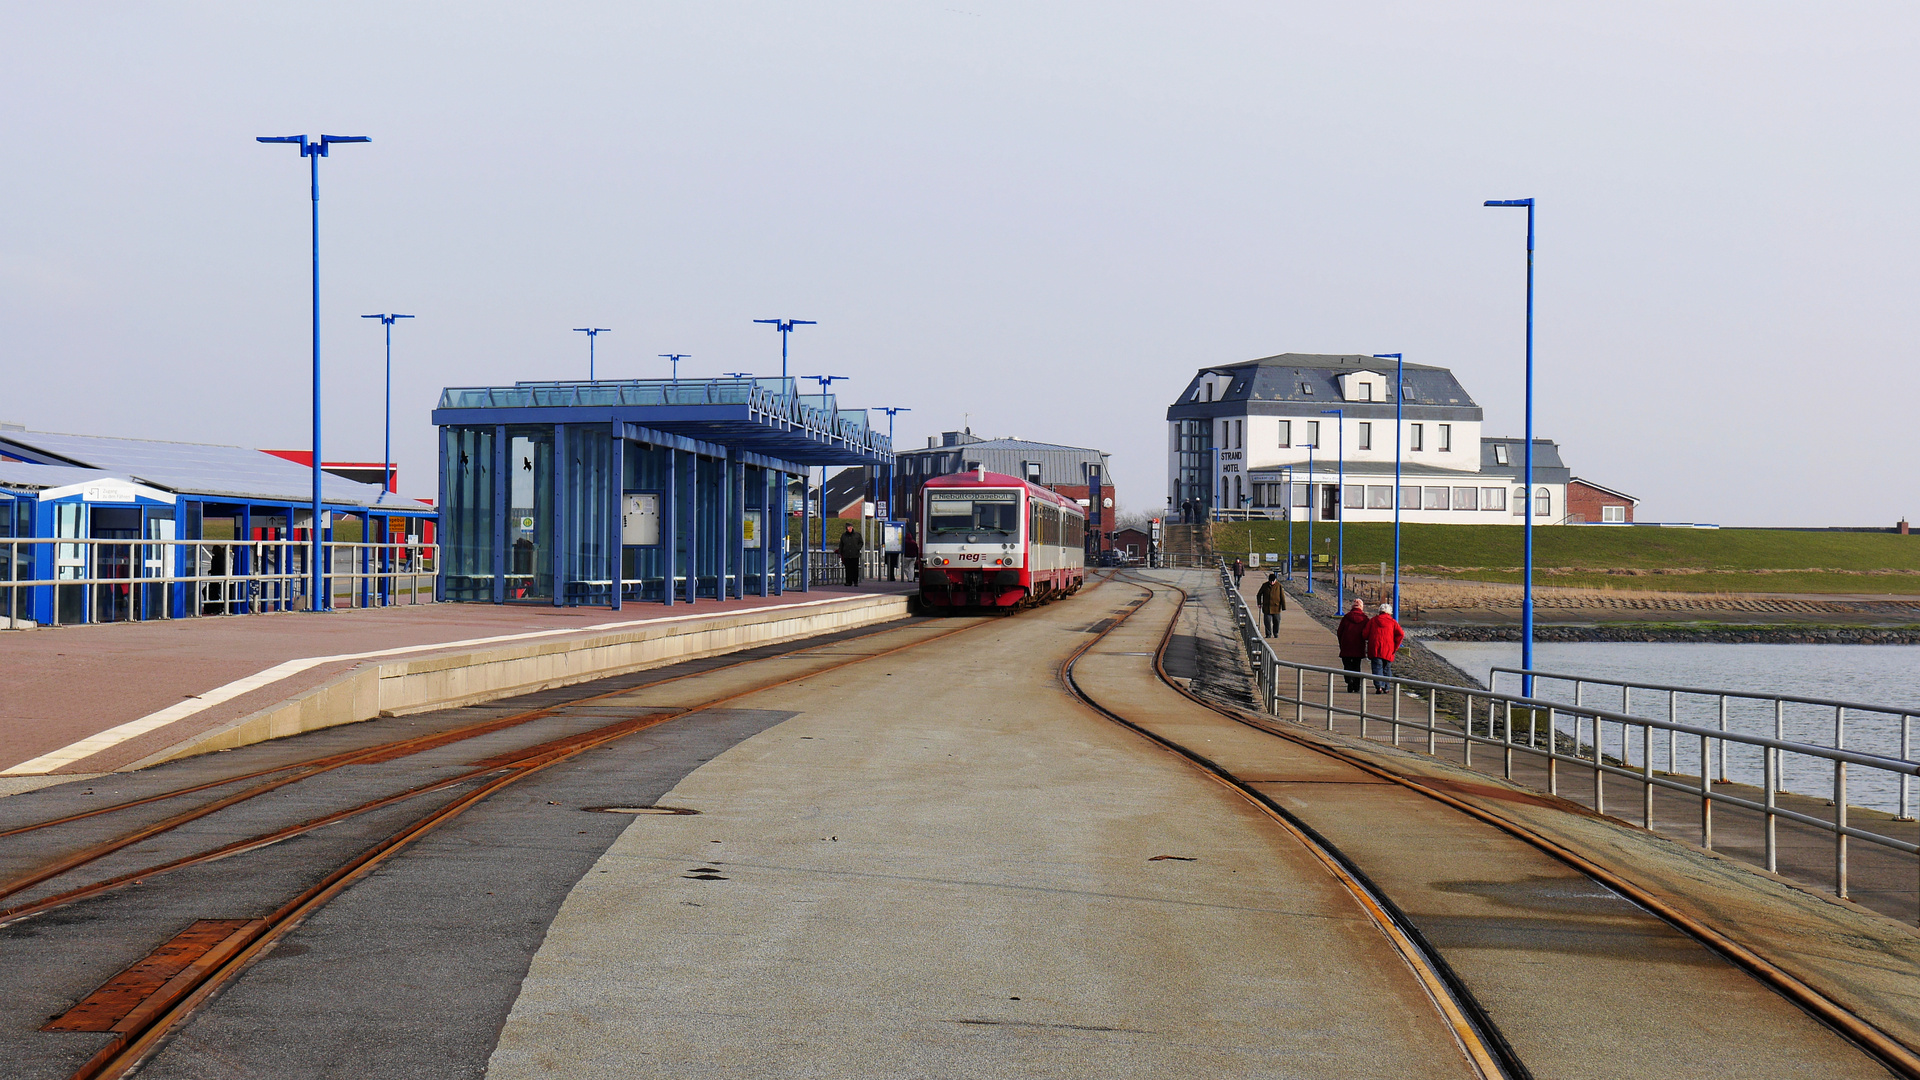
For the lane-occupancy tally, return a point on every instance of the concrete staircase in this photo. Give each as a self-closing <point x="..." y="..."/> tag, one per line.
<point x="1187" y="545"/>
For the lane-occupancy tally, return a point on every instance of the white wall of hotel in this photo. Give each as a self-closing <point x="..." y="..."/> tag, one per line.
<point x="1254" y="447"/>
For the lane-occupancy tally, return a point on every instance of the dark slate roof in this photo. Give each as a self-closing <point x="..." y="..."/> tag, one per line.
<point x="1304" y="379"/>
<point x="1547" y="466"/>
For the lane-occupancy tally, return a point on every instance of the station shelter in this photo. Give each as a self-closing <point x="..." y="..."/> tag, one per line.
<point x="104" y="529"/>
<point x="646" y="490"/>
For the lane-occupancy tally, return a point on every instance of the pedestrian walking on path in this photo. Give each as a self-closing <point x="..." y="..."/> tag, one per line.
<point x="1272" y="601"/>
<point x="850" y="545"/>
<point x="1352" y="633"/>
<point x="1384" y="636"/>
<point x="1239" y="571"/>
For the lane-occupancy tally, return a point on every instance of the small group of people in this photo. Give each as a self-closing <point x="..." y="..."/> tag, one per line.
<point x="852" y="544"/>
<point x="1362" y="638"/>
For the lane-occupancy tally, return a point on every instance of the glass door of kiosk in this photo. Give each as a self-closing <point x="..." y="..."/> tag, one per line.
<point x="530" y="465"/>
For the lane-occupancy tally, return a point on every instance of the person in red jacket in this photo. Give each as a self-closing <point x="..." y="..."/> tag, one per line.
<point x="1352" y="633"/>
<point x="1384" y="636"/>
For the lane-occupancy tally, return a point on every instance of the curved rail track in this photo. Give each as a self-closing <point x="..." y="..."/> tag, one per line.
<point x="125" y="1053"/>
<point x="1488" y="1052"/>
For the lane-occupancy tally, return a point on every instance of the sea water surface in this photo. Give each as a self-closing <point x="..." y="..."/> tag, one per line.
<point x="1884" y="675"/>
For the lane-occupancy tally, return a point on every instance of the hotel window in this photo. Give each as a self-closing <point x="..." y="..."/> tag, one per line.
<point x="1542" y="503"/>
<point x="1500" y="454"/>
<point x="1286" y="434"/>
<point x="1446" y="438"/>
<point x="1379" y="497"/>
<point x="1301" y="493"/>
<point x="1240" y="434"/>
<point x="1313" y="434"/>
<point x="1366" y="391"/>
<point x="1366" y="435"/>
<point x="1433" y="498"/>
<point x="1355" y="496"/>
<point x="1519" y="502"/>
<point x="1466" y="498"/>
<point x="1493" y="498"/>
<point x="1614" y="514"/>
<point x="1409" y="498"/>
<point x="1209" y="387"/>
<point x="1416" y="437"/>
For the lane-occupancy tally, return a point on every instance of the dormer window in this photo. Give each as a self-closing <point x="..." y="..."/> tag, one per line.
<point x="1209" y="387"/>
<point x="1500" y="453"/>
<point x="1366" y="391"/>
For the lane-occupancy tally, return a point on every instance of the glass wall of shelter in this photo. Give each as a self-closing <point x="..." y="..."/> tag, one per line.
<point x="648" y="490"/>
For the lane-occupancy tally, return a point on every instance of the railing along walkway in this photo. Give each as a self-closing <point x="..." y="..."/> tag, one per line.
<point x="1801" y="836"/>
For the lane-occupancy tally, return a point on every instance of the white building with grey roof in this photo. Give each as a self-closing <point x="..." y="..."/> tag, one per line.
<point x="1241" y="436"/>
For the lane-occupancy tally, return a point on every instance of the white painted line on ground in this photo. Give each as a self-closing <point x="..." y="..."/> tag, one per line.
<point x="132" y="729"/>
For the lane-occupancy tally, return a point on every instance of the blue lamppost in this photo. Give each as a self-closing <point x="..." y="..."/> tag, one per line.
<point x="592" y="332"/>
<point x="785" y="326"/>
<point x="313" y="151"/>
<point x="1340" y="505"/>
<point x="1288" y="470"/>
<point x="1399" y="391"/>
<point x="891" y="411"/>
<point x="1526" y="594"/>
<point x="1312" y="445"/>
<point x="674" y="358"/>
<point x="386" y="452"/>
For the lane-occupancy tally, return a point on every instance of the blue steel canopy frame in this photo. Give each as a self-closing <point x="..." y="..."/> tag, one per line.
<point x="695" y="443"/>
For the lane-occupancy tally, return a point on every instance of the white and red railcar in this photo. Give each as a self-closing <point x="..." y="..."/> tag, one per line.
<point x="988" y="540"/>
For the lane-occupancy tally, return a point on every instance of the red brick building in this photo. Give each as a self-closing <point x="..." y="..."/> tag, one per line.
<point x="1590" y="503"/>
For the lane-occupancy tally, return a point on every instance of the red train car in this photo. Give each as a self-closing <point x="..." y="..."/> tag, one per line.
<point x="988" y="540"/>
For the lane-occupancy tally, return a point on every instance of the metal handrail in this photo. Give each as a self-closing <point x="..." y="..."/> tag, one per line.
<point x="1710" y="691"/>
<point x="1588" y="756"/>
<point x="275" y="583"/>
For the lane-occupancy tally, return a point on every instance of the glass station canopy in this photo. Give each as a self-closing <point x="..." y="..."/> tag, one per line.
<point x="649" y="489"/>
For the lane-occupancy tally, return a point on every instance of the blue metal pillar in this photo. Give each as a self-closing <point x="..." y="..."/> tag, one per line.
<point x="563" y="563"/>
<point x="500" y="513"/>
<point x="806" y="529"/>
<point x="777" y="481"/>
<point x="693" y="526"/>
<point x="245" y="554"/>
<point x="439" y="568"/>
<point x="613" y="479"/>
<point x="669" y="525"/>
<point x="737" y="522"/>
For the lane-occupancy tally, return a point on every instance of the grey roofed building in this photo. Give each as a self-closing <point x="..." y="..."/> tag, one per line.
<point x="1507" y="457"/>
<point x="1059" y="465"/>
<point x="197" y="469"/>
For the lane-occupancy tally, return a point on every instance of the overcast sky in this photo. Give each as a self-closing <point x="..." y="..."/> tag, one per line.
<point x="1038" y="218"/>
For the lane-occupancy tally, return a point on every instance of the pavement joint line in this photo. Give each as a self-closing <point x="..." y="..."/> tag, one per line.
<point x="132" y="729"/>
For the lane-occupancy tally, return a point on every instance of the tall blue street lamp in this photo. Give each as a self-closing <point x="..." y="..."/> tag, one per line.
<point x="891" y="411"/>
<point x="386" y="452"/>
<point x="785" y="326"/>
<point x="313" y="151"/>
<point x="1340" y="505"/>
<point x="592" y="332"/>
<point x="825" y="381"/>
<point x="1399" y="391"/>
<point x="1288" y="469"/>
<point x="1526" y="594"/>
<point x="674" y="358"/>
<point x="1312" y="445"/>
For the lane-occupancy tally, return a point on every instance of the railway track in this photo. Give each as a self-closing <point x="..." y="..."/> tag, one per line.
<point x="139" y="1030"/>
<point x="1486" y="1047"/>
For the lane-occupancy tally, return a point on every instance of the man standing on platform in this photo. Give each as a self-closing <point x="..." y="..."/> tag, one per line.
<point x="1272" y="602"/>
<point x="1352" y="633"/>
<point x="1384" y="636"/>
<point x="850" y="545"/>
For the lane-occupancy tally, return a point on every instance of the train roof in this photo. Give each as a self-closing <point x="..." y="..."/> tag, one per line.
<point x="981" y="478"/>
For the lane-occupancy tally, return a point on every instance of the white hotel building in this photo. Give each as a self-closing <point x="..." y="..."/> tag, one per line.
<point x="1239" y="438"/>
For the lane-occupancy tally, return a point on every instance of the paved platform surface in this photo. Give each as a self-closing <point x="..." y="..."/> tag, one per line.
<point x="61" y="685"/>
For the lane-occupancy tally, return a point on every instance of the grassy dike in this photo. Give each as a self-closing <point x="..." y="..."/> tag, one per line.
<point x="1681" y="560"/>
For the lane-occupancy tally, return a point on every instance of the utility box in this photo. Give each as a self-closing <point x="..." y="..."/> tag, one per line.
<point x="640" y="519"/>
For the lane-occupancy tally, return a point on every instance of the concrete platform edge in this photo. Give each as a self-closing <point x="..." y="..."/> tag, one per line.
<point x="453" y="680"/>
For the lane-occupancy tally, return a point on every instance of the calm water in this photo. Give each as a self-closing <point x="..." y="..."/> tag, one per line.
<point x="1874" y="674"/>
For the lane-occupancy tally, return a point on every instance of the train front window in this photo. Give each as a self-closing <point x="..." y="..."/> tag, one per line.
<point x="972" y="516"/>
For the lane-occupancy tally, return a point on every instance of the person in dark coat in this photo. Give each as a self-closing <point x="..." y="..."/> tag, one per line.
<point x="1272" y="601"/>
<point x="910" y="553"/>
<point x="1352" y="633"/>
<point x="1384" y="635"/>
<point x="850" y="545"/>
<point x="1239" y="571"/>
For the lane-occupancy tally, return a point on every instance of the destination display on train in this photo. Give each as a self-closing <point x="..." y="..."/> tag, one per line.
<point x="976" y="496"/>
